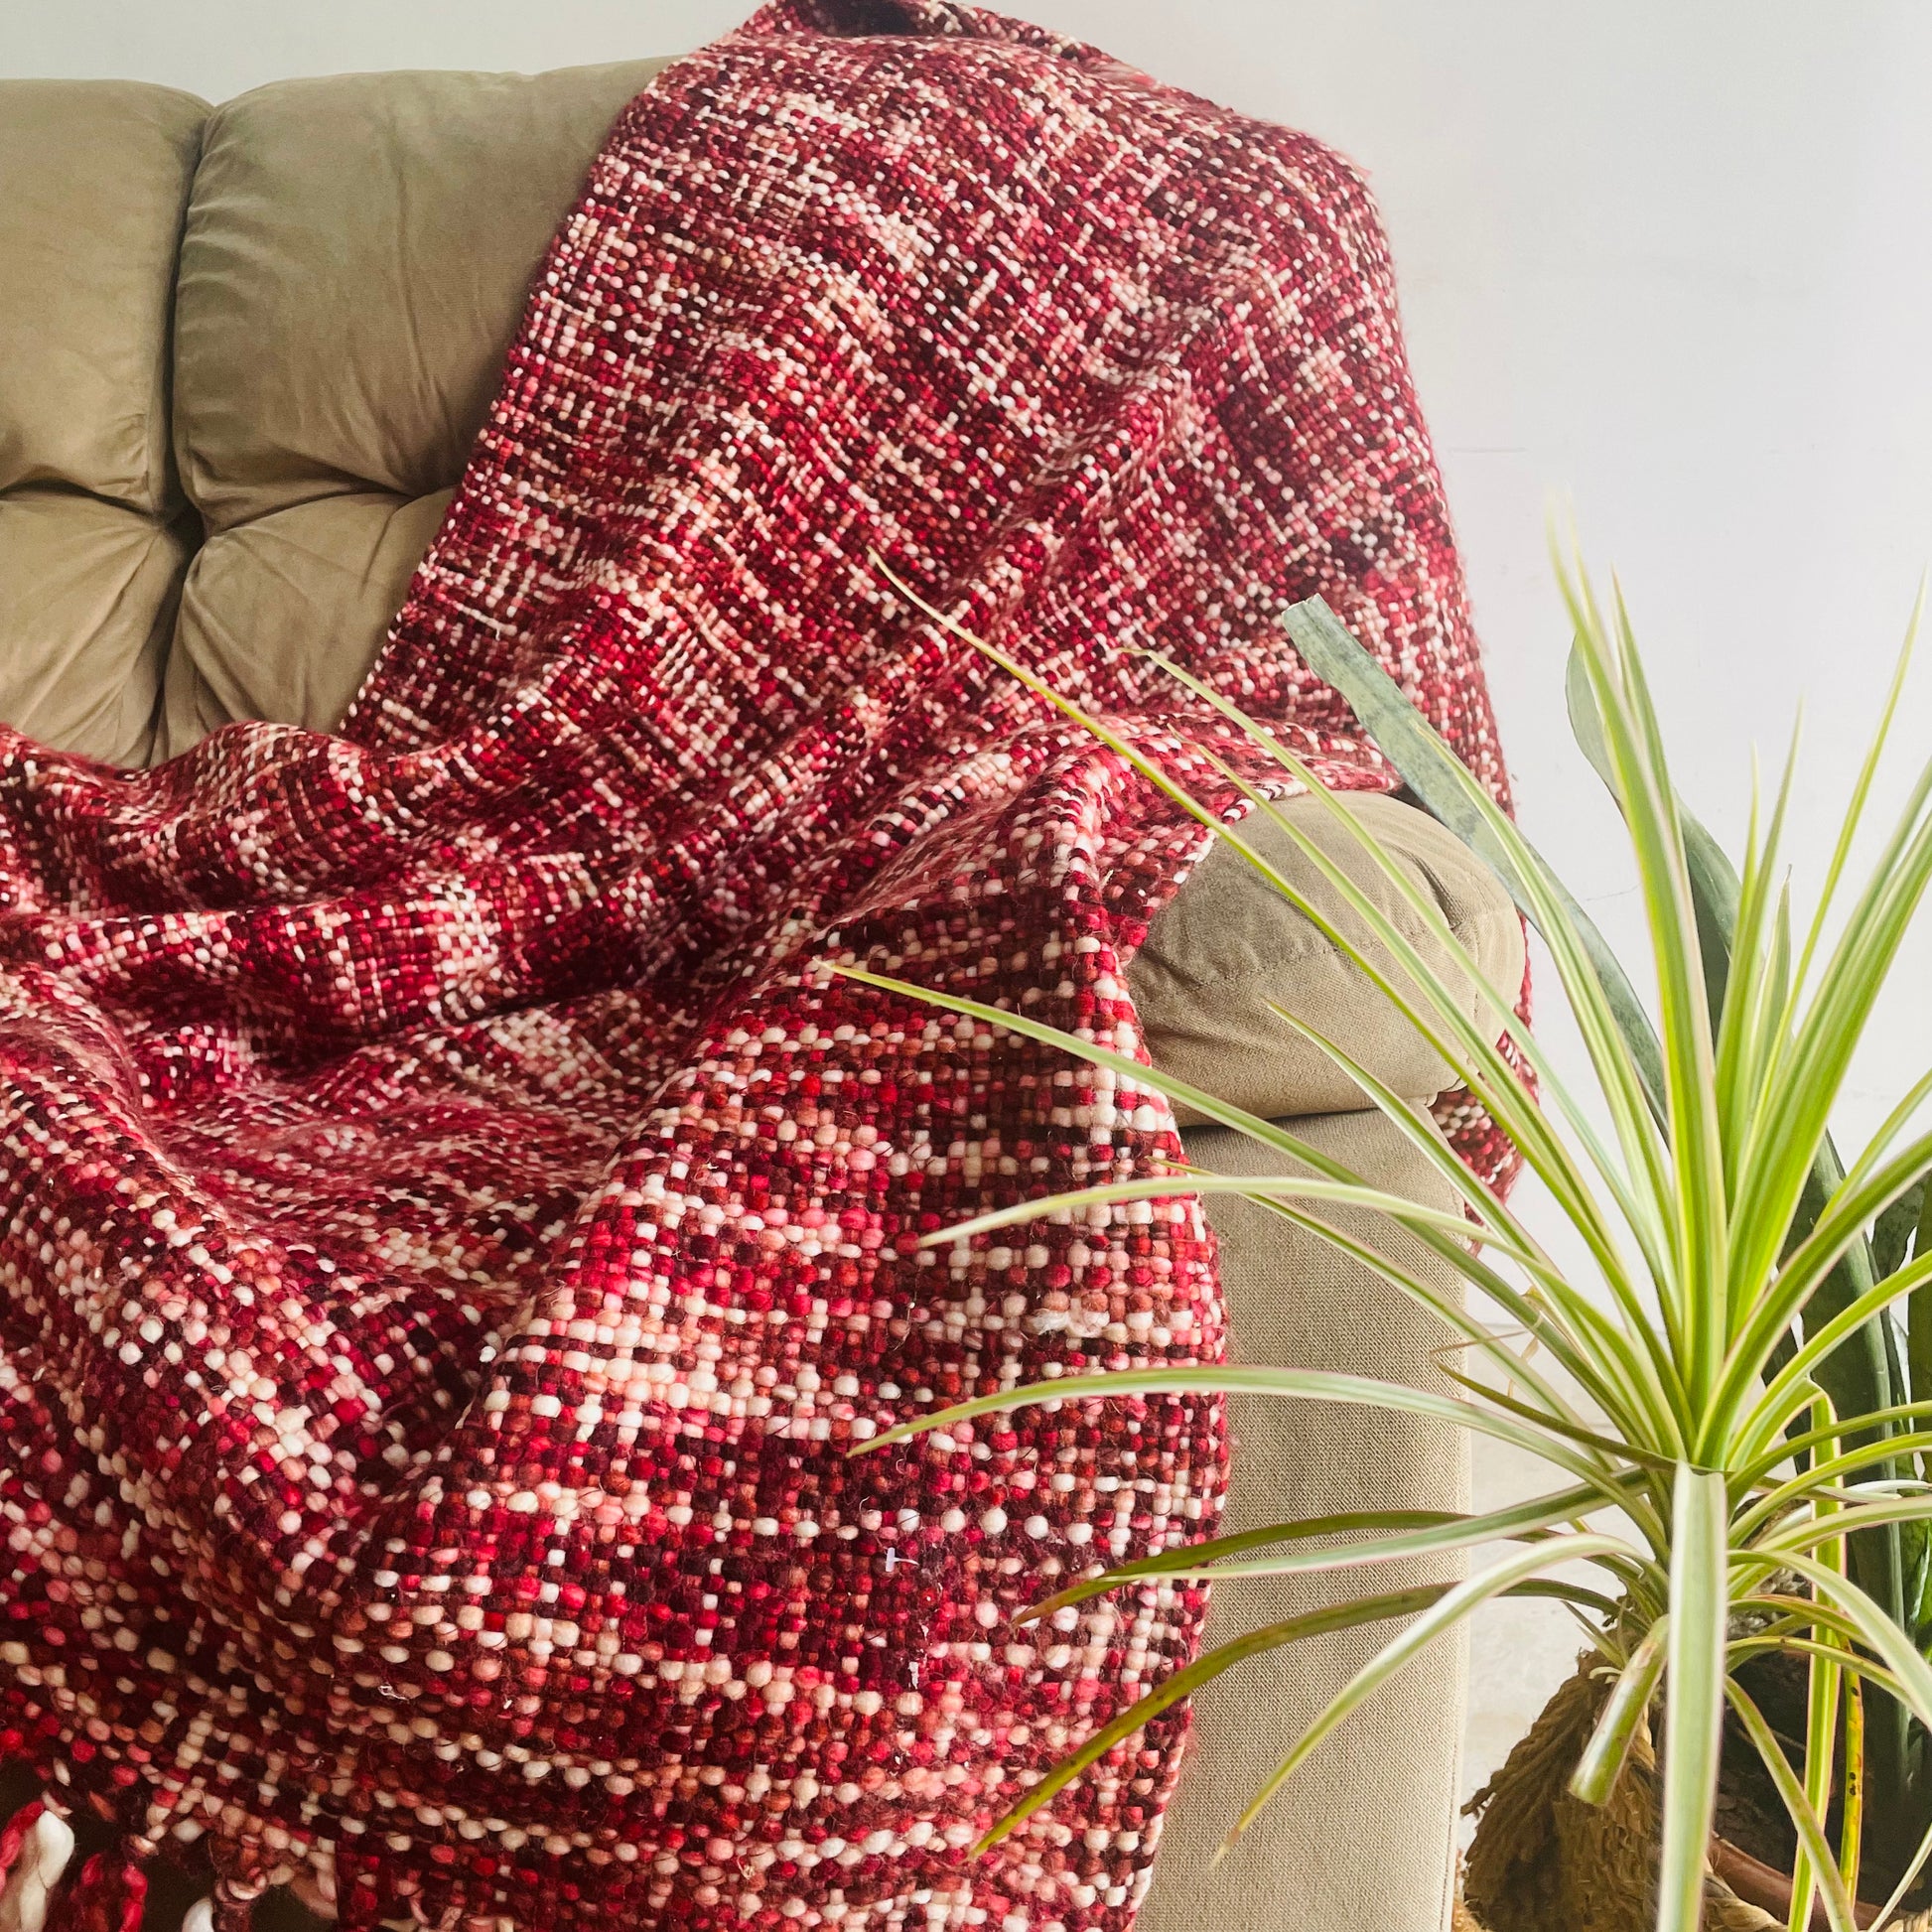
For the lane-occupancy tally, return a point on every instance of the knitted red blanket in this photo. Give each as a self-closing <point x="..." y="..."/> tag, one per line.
<point x="454" y="1229"/>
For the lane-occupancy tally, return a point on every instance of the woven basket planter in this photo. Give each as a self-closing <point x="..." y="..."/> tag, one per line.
<point x="1544" y="1861"/>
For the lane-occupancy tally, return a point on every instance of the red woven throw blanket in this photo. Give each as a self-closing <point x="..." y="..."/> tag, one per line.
<point x="453" y="1227"/>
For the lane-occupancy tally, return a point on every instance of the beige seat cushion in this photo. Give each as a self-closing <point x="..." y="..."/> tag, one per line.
<point x="355" y="262"/>
<point x="1228" y="948"/>
<point x="93" y="535"/>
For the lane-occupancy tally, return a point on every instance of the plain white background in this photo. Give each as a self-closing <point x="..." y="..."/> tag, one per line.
<point x="1665" y="266"/>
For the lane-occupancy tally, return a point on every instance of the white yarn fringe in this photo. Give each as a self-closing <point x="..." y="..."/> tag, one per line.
<point x="200" y="1916"/>
<point x="44" y="1856"/>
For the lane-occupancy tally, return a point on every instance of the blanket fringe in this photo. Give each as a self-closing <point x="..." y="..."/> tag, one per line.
<point x="13" y="1835"/>
<point x="222" y="1912"/>
<point x="232" y="1906"/>
<point x="40" y="1857"/>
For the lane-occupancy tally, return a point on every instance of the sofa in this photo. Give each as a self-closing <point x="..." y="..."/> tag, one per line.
<point x="244" y="352"/>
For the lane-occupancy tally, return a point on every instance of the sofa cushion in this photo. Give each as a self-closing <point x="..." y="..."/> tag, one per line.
<point x="86" y="595"/>
<point x="96" y="174"/>
<point x="282" y="617"/>
<point x="355" y="261"/>
<point x="1228" y="947"/>
<point x="93" y="539"/>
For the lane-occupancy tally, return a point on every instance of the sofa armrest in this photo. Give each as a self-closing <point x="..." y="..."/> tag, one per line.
<point x="1228" y="949"/>
<point x="1361" y="1839"/>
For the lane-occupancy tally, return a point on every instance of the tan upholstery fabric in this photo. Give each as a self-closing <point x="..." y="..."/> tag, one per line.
<point x="86" y="595"/>
<point x="1228" y="948"/>
<point x="282" y="617"/>
<point x="95" y="176"/>
<point x="355" y="261"/>
<point x="1361" y="1837"/>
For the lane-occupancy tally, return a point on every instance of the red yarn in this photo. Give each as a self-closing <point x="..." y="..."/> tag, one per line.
<point x="109" y="1896"/>
<point x="455" y="1226"/>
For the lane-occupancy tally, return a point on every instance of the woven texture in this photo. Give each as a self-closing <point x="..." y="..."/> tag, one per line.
<point x="454" y="1225"/>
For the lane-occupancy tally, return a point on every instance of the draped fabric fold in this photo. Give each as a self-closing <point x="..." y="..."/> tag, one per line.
<point x="453" y="1226"/>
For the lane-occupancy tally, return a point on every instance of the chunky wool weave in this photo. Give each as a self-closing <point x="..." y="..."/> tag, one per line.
<point x="455" y="1226"/>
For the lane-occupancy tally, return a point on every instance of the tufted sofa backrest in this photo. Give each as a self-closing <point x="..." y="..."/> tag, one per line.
<point x="243" y="353"/>
<point x="95" y="533"/>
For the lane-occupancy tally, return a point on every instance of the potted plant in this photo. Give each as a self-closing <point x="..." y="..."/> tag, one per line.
<point x="1749" y="1399"/>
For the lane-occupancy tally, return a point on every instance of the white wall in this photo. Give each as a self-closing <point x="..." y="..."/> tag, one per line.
<point x="1671" y="264"/>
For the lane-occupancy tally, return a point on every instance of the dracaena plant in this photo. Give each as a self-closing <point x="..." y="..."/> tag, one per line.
<point x="1746" y="1400"/>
